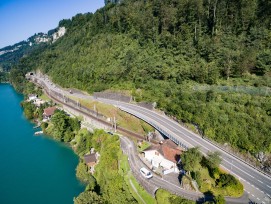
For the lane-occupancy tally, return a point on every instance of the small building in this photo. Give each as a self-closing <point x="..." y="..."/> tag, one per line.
<point x="32" y="97"/>
<point x="38" y="102"/>
<point x="92" y="159"/>
<point x="48" y="112"/>
<point x="165" y="156"/>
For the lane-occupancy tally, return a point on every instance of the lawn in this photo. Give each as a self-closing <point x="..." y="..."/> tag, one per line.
<point x="123" y="119"/>
<point x="44" y="97"/>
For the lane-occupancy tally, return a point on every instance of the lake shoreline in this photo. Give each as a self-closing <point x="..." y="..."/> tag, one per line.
<point x="54" y="162"/>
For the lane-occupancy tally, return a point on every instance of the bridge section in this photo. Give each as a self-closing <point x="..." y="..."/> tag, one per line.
<point x="165" y="131"/>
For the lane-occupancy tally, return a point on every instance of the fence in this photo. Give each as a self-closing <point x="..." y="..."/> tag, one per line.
<point x="113" y="96"/>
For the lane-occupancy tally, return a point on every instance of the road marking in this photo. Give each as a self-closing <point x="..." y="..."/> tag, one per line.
<point x="253" y="195"/>
<point x="258" y="198"/>
<point x="238" y="168"/>
<point x="169" y="120"/>
<point x="268" y="186"/>
<point x="260" y="181"/>
<point x="263" y="202"/>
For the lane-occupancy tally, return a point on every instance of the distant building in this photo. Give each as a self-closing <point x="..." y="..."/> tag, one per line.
<point x="48" y="112"/>
<point x="92" y="159"/>
<point x="38" y="102"/>
<point x="32" y="97"/>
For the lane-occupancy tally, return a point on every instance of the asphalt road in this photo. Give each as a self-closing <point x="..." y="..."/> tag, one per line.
<point x="257" y="185"/>
<point x="155" y="182"/>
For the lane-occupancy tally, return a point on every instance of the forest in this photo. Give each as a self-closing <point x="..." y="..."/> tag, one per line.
<point x="205" y="62"/>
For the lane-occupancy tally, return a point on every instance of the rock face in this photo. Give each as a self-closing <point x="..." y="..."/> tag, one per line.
<point x="12" y="54"/>
<point x="61" y="31"/>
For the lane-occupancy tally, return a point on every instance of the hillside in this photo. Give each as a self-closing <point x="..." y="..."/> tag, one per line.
<point x="11" y="55"/>
<point x="207" y="63"/>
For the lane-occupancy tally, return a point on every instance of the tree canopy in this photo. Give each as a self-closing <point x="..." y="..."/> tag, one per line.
<point x="203" y="62"/>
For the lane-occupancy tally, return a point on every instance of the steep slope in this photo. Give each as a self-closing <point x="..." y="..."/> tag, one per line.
<point x="204" y="62"/>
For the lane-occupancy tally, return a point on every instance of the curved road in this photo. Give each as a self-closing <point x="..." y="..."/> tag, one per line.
<point x="257" y="185"/>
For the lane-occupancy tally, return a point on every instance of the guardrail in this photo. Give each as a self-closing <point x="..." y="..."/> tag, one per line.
<point x="60" y="98"/>
<point x="236" y="157"/>
<point x="101" y="117"/>
<point x="177" y="141"/>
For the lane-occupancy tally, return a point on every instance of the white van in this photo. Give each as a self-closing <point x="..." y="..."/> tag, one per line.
<point x="145" y="172"/>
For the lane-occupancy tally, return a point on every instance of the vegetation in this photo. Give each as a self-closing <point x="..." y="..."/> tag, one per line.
<point x="30" y="110"/>
<point x="123" y="119"/>
<point x="89" y="197"/>
<point x="198" y="65"/>
<point x="62" y="127"/>
<point x="137" y="191"/>
<point x="4" y="77"/>
<point x="205" y="171"/>
<point x="164" y="197"/>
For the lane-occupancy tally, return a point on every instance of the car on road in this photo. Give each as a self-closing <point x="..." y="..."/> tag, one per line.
<point x="145" y="172"/>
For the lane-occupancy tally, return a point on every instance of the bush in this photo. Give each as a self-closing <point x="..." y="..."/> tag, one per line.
<point x="89" y="197"/>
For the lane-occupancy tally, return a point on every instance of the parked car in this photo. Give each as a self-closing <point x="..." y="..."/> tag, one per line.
<point x="145" y="172"/>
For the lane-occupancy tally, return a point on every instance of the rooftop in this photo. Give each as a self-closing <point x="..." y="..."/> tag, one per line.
<point x="168" y="149"/>
<point x="49" y="111"/>
<point x="89" y="158"/>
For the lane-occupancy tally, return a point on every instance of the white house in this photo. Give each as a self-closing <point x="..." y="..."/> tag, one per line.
<point x="32" y="97"/>
<point x="38" y="102"/>
<point x="164" y="155"/>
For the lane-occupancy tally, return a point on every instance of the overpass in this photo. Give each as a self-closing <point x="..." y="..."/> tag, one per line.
<point x="257" y="185"/>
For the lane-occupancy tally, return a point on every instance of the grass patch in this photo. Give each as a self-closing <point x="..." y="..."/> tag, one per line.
<point x="165" y="197"/>
<point x="144" y="146"/>
<point x="209" y="184"/>
<point x="44" y="97"/>
<point x="123" y="119"/>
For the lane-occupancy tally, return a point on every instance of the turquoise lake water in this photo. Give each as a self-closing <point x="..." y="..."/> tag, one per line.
<point x="33" y="169"/>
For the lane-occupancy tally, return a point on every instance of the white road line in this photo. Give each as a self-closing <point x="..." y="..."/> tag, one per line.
<point x="238" y="168"/>
<point x="258" y="198"/>
<point x="268" y="186"/>
<point x="260" y="181"/>
<point x="253" y="195"/>
<point x="178" y="130"/>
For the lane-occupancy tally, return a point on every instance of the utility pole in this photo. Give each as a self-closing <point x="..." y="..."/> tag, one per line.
<point x="115" y="124"/>
<point x="94" y="108"/>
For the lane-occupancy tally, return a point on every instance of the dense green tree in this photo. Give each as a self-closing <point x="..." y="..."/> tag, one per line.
<point x="89" y="197"/>
<point x="219" y="199"/>
<point x="204" y="62"/>
<point x="191" y="159"/>
<point x="214" y="159"/>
